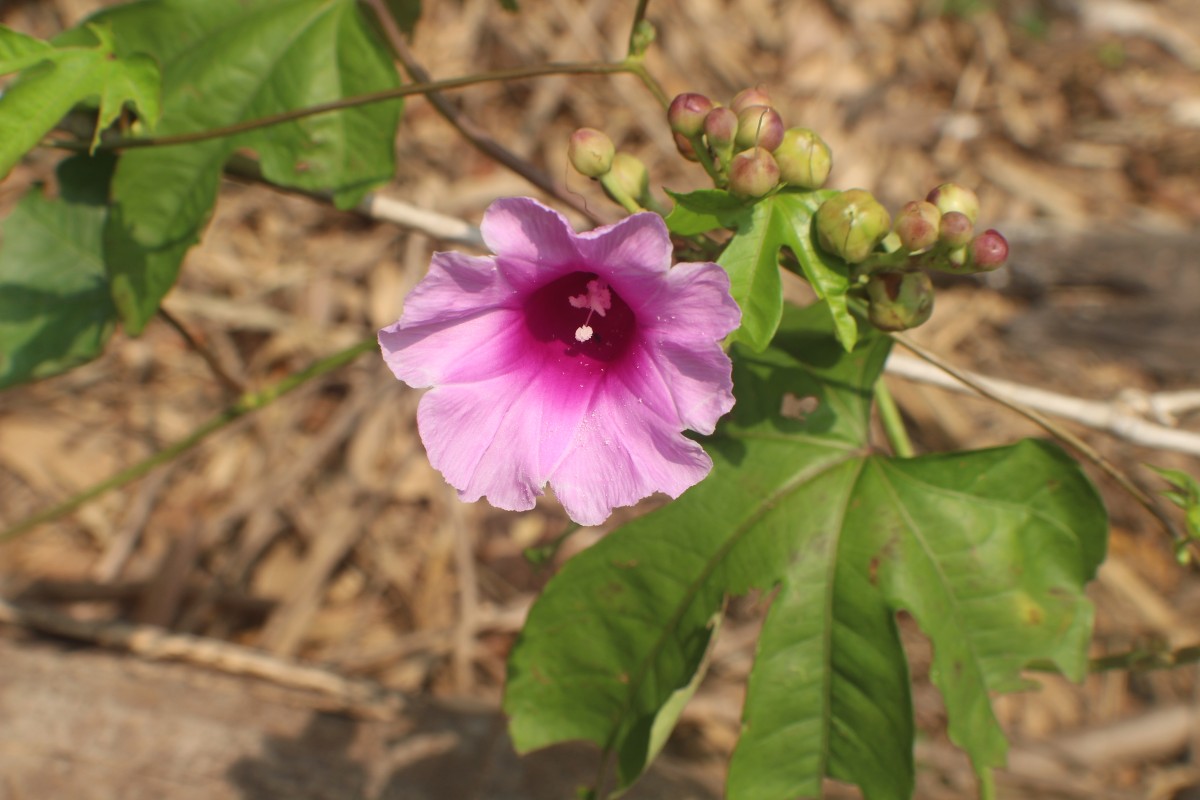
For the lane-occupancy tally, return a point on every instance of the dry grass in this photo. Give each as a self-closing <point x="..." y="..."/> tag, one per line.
<point x="316" y="530"/>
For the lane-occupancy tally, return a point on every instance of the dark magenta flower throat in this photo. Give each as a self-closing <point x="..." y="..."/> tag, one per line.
<point x="580" y="315"/>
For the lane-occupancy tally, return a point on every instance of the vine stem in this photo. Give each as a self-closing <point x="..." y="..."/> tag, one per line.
<point x="1055" y="430"/>
<point x="248" y="402"/>
<point x="516" y="73"/>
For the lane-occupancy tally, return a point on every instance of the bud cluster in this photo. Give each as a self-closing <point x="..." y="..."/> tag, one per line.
<point x="894" y="258"/>
<point x="745" y="146"/>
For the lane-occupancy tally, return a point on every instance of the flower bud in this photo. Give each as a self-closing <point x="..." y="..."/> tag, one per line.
<point x="753" y="173"/>
<point x="955" y="197"/>
<point x="687" y="112"/>
<point x="899" y="300"/>
<point x="917" y="225"/>
<point x="750" y="97"/>
<point x="630" y="175"/>
<point x="590" y="152"/>
<point x="851" y="223"/>
<point x="720" y="127"/>
<point x="955" y="229"/>
<point x="685" y="147"/>
<point x="804" y="159"/>
<point x="759" y="126"/>
<point x="989" y="251"/>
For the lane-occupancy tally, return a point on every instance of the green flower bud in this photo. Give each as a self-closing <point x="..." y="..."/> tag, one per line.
<point x="750" y="97"/>
<point x="753" y="173"/>
<point x="989" y="251"/>
<point x="804" y="159"/>
<point x="685" y="147"/>
<point x="630" y="175"/>
<point x="955" y="197"/>
<point x="590" y="152"/>
<point x="851" y="223"/>
<point x="955" y="229"/>
<point x="899" y="300"/>
<point x="687" y="112"/>
<point x="759" y="126"/>
<point x="917" y="225"/>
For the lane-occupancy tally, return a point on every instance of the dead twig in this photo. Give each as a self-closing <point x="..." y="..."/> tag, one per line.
<point x="353" y="696"/>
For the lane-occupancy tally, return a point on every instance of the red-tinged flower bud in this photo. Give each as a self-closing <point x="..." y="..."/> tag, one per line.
<point x="687" y="112"/>
<point x="753" y="173"/>
<point x="989" y="251"/>
<point x="759" y="126"/>
<point x="955" y="229"/>
<point x="851" y="223"/>
<point x="955" y="197"/>
<point x="917" y="225"/>
<point x="630" y="175"/>
<point x="899" y="300"/>
<point x="685" y="147"/>
<point x="590" y="152"/>
<point x="804" y="158"/>
<point x="720" y="127"/>
<point x="750" y="97"/>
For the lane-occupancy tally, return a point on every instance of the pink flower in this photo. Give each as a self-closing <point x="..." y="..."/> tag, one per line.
<point x="573" y="359"/>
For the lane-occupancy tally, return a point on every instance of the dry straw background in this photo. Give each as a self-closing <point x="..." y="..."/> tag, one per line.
<point x="300" y="608"/>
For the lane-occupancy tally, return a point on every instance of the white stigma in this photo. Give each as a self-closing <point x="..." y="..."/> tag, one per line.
<point x="597" y="300"/>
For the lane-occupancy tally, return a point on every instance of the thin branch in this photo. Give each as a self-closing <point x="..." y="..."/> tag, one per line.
<point x="1110" y="417"/>
<point x="248" y="402"/>
<point x="230" y="383"/>
<point x="478" y="137"/>
<point x="425" y="87"/>
<point x="438" y="226"/>
<point x="1055" y="430"/>
<point x="150" y="642"/>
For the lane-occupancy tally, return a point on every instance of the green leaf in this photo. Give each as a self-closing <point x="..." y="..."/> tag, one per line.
<point x="18" y="51"/>
<point x="55" y="311"/>
<point x="829" y="276"/>
<point x="57" y="78"/>
<point x="702" y="211"/>
<point x="752" y="260"/>
<point x="989" y="551"/>
<point x="1186" y="496"/>
<point x="225" y="62"/>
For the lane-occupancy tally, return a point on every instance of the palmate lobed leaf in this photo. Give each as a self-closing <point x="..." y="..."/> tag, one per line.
<point x="58" y="78"/>
<point x="225" y="62"/>
<point x="988" y="550"/>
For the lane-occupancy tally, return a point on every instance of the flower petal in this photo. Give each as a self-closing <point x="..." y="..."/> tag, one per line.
<point x="490" y="343"/>
<point x="633" y="255"/>
<point x="622" y="453"/>
<point x="532" y="242"/>
<point x="499" y="438"/>
<point x="700" y="309"/>
<point x="457" y="286"/>
<point x="686" y="385"/>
